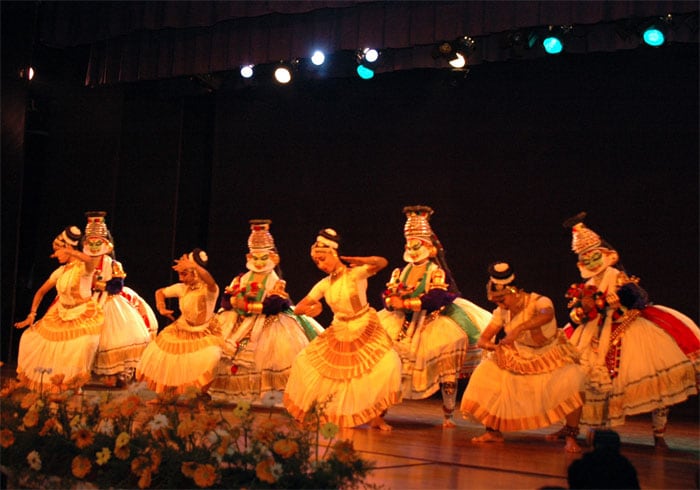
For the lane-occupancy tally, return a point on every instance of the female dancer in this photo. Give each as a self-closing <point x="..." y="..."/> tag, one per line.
<point x="65" y="341"/>
<point x="351" y="370"/>
<point x="530" y="378"/>
<point x="185" y="353"/>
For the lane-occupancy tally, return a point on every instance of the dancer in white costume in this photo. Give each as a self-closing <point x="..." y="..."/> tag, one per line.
<point x="351" y="368"/>
<point x="434" y="330"/>
<point x="262" y="335"/>
<point x="184" y="355"/>
<point x="125" y="334"/>
<point x="639" y="357"/>
<point x="63" y="344"/>
<point x="530" y="377"/>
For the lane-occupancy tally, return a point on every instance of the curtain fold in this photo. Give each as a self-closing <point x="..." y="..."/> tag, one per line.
<point x="133" y="41"/>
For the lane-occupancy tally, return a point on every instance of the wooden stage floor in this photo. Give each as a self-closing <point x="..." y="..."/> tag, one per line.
<point x="419" y="454"/>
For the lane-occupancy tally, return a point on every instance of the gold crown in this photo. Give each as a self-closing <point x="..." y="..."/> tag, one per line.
<point x="417" y="222"/>
<point x="260" y="237"/>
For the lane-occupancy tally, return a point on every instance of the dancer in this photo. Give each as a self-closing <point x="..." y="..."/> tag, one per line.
<point x="184" y="355"/>
<point x="351" y="369"/>
<point x="64" y="342"/>
<point x="434" y="330"/>
<point x="639" y="358"/>
<point x="125" y="334"/>
<point x="261" y="333"/>
<point x="530" y="377"/>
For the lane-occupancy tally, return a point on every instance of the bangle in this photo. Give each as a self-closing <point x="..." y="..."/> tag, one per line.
<point x="32" y="313"/>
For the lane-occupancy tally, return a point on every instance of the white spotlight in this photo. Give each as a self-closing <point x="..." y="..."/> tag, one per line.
<point x="371" y="55"/>
<point x="247" y="71"/>
<point x="318" y="58"/>
<point x="458" y="62"/>
<point x="283" y="75"/>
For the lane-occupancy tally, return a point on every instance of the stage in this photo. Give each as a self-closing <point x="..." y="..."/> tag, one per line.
<point x="419" y="454"/>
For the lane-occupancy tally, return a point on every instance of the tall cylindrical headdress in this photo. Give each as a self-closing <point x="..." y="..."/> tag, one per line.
<point x="582" y="237"/>
<point x="260" y="237"/>
<point x="417" y="223"/>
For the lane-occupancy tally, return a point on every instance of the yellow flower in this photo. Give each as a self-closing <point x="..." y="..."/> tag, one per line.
<point x="205" y="475"/>
<point x="122" y="440"/>
<point x="80" y="466"/>
<point x="103" y="456"/>
<point x="129" y="405"/>
<point x="329" y="430"/>
<point x="7" y="438"/>
<point x="242" y="408"/>
<point x="285" y="448"/>
<point x="31" y="418"/>
<point x="188" y="468"/>
<point x="264" y="471"/>
<point x="83" y="438"/>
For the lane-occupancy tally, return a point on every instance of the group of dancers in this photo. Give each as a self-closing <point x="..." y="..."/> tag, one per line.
<point x="618" y="356"/>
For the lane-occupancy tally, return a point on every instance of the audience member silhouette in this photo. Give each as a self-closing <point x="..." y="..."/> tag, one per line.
<point x="604" y="467"/>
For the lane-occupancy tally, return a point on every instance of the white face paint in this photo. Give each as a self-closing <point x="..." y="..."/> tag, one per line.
<point x="96" y="245"/>
<point x="260" y="261"/>
<point x="593" y="262"/>
<point x="416" y="251"/>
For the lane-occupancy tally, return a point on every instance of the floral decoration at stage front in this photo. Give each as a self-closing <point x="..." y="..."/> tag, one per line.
<point x="67" y="439"/>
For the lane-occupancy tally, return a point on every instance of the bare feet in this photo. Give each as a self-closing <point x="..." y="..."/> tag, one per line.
<point x="490" y="436"/>
<point x="379" y="423"/>
<point x="571" y="445"/>
<point x="448" y="424"/>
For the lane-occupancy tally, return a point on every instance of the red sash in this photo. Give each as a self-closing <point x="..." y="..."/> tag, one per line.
<point x="686" y="340"/>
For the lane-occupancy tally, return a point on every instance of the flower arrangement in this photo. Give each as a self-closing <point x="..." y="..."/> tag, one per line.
<point x="63" y="438"/>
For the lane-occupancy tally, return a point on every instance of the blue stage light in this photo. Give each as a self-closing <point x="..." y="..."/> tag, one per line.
<point x="552" y="45"/>
<point x="364" y="72"/>
<point x="654" y="36"/>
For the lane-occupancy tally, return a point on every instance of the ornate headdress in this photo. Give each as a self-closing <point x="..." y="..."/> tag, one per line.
<point x="96" y="230"/>
<point x="501" y="279"/>
<point x="199" y="257"/>
<point x="260" y="237"/>
<point x="69" y="237"/>
<point x="582" y="237"/>
<point x="417" y="223"/>
<point x="327" y="239"/>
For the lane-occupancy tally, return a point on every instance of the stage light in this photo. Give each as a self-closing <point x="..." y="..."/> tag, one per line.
<point x="552" y="45"/>
<point x="370" y="55"/>
<point x="654" y="36"/>
<point x="283" y="75"/>
<point x="455" y="52"/>
<point x="554" y="39"/>
<point x="27" y="73"/>
<point x="366" y="62"/>
<point x="365" y="72"/>
<point x="318" y="58"/>
<point x="247" y="71"/>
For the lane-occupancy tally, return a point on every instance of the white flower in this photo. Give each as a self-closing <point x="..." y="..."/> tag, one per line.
<point x="159" y="421"/>
<point x="34" y="460"/>
<point x="105" y="427"/>
<point x="272" y="398"/>
<point x="276" y="470"/>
